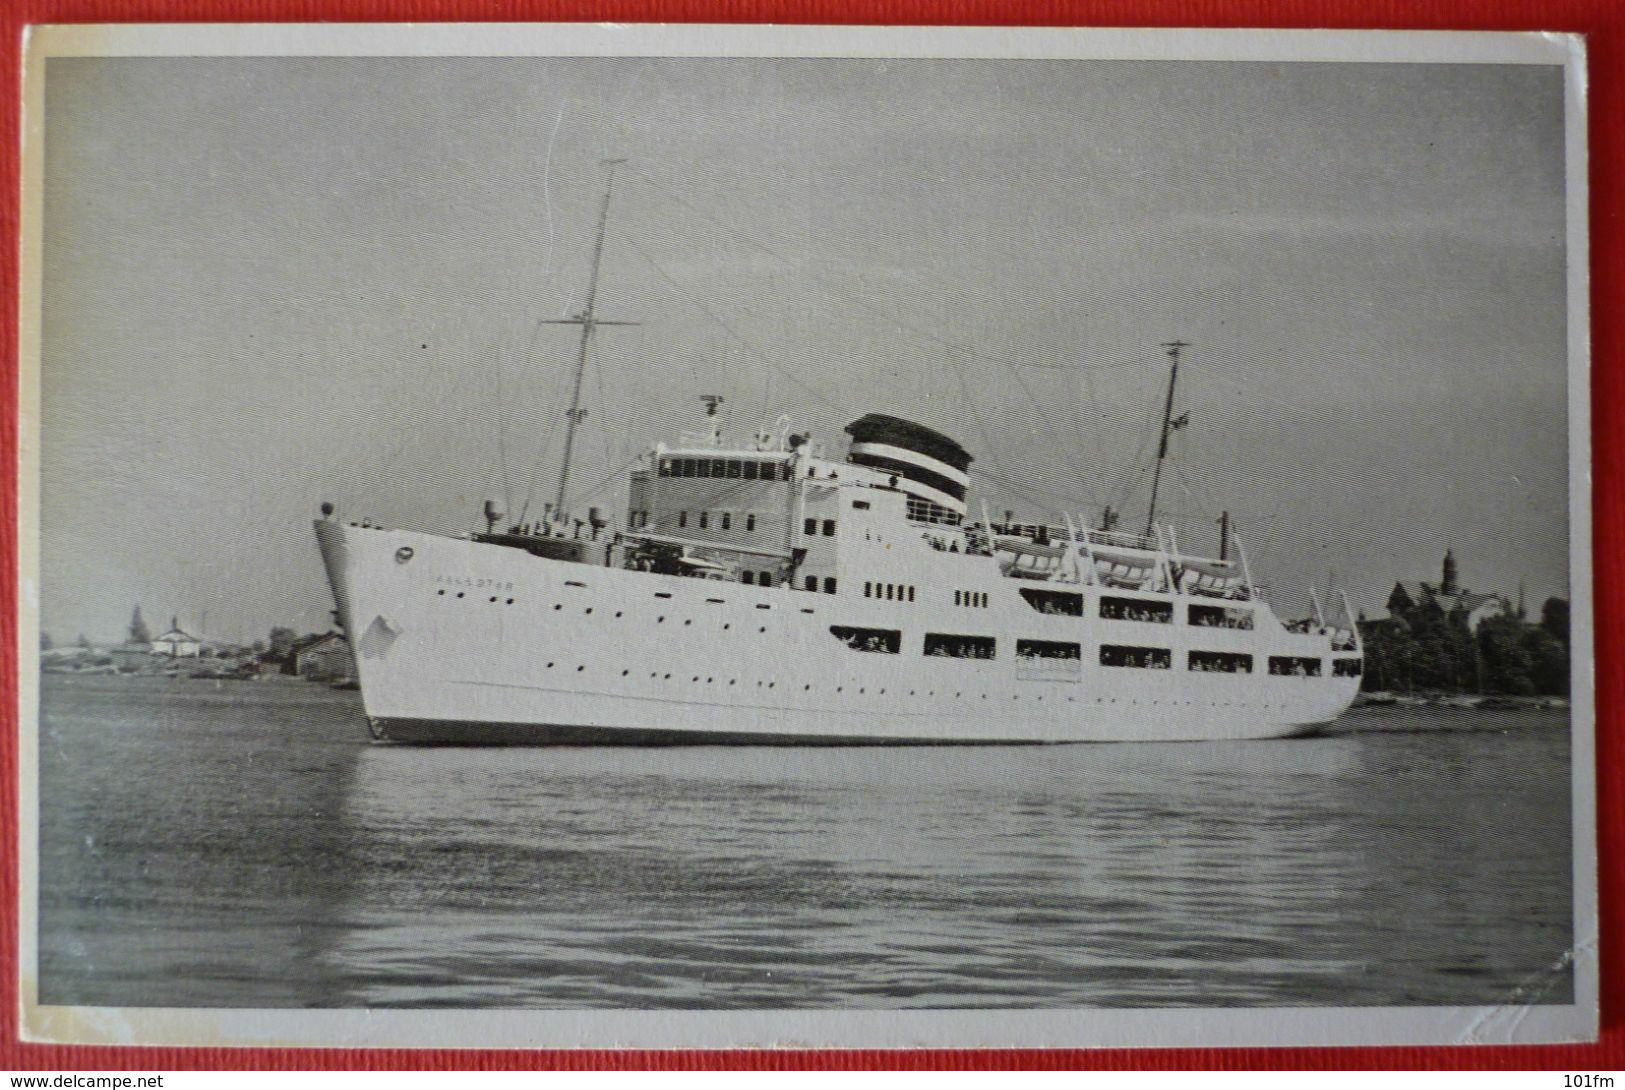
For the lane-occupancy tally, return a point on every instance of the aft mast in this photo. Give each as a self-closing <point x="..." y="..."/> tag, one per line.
<point x="1168" y="424"/>
<point x="589" y="321"/>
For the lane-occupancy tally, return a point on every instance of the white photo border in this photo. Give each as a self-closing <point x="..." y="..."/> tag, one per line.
<point x="868" y="1029"/>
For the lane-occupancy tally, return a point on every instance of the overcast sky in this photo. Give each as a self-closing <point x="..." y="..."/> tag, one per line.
<point x="271" y="282"/>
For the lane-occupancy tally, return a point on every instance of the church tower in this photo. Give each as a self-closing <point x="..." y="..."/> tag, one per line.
<point x="1447" y="585"/>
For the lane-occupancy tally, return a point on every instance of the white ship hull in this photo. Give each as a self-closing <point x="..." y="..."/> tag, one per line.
<point x="463" y="642"/>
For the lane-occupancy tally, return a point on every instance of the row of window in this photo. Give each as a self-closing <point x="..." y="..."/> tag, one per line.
<point x="891" y="592"/>
<point x="925" y="511"/>
<point x="722" y="520"/>
<point x="886" y="641"/>
<point x="695" y="679"/>
<point x="1221" y="617"/>
<point x="960" y="647"/>
<point x="1144" y="658"/>
<point x="1058" y="603"/>
<point x="811" y="583"/>
<point x="1066" y="604"/>
<point x="809" y="527"/>
<point x="974" y="598"/>
<point x="1048" y="649"/>
<point x="1220" y="662"/>
<point x="734" y="469"/>
<point x="889" y="641"/>
<point x="1159" y="658"/>
<point x="1133" y="609"/>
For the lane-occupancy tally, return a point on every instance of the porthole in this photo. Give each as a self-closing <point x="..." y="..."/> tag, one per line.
<point x="510" y="601"/>
<point x="493" y="599"/>
<point x="441" y="591"/>
<point x="617" y="612"/>
<point x="660" y="620"/>
<point x="589" y="609"/>
<point x="686" y="620"/>
<point x="625" y="672"/>
<point x="556" y="605"/>
<point x="806" y="688"/>
<point x="550" y="666"/>
<point x="459" y="594"/>
<point x="726" y="627"/>
<point x="771" y="684"/>
<point x="580" y="668"/>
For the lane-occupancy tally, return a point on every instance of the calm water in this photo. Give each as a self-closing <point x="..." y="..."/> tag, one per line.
<point x="244" y="845"/>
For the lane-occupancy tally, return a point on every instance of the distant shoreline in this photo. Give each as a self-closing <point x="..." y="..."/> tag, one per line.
<point x="1475" y="701"/>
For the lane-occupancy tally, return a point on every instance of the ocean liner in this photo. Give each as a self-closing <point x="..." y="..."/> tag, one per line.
<point x="768" y="591"/>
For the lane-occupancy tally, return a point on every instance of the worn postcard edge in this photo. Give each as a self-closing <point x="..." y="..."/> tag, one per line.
<point x="1521" y="1018"/>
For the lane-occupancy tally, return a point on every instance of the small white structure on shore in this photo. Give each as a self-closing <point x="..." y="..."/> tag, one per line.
<point x="177" y="643"/>
<point x="326" y="656"/>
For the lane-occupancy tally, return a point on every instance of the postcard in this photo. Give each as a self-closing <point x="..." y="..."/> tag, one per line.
<point x="691" y="536"/>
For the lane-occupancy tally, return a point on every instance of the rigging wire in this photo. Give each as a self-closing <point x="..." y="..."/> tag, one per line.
<point x="1133" y="478"/>
<point x="951" y="347"/>
<point x="760" y="356"/>
<point x="1067" y="453"/>
<point x="603" y="402"/>
<point x="970" y="407"/>
<point x="1022" y="492"/>
<point x="856" y="301"/>
<point x="500" y="350"/>
<point x="1092" y="427"/>
<point x="952" y="350"/>
<point x="613" y="476"/>
<point x="547" y="437"/>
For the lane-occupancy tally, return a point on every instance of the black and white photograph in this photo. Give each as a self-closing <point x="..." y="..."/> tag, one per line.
<point x="697" y="536"/>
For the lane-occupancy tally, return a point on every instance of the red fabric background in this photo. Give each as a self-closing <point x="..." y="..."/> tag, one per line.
<point x="1601" y="21"/>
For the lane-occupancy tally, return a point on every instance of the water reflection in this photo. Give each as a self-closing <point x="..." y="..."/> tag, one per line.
<point x="239" y="851"/>
<point x="1253" y="873"/>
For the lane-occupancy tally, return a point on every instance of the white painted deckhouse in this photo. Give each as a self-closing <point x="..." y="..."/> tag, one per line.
<point x="763" y="591"/>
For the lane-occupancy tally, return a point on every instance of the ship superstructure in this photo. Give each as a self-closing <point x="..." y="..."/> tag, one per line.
<point x="765" y="591"/>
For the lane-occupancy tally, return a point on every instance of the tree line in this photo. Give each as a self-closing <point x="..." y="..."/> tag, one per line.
<point x="1424" y="647"/>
